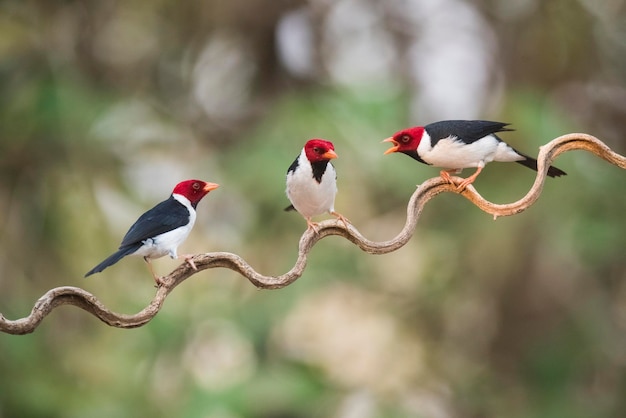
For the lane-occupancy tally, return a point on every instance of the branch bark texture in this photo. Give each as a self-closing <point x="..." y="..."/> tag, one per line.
<point x="67" y="295"/>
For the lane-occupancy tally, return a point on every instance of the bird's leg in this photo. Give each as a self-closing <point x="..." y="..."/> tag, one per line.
<point x="462" y="185"/>
<point x="312" y="225"/>
<point x="158" y="280"/>
<point x="341" y="218"/>
<point x="445" y="175"/>
<point x="189" y="259"/>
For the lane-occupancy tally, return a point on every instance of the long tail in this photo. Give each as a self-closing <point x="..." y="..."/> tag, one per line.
<point x="114" y="258"/>
<point x="531" y="163"/>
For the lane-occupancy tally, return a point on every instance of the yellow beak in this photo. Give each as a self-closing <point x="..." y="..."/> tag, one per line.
<point x="210" y="186"/>
<point x="395" y="145"/>
<point x="330" y="154"/>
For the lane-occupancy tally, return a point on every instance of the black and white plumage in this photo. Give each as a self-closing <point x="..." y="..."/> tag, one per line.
<point x="458" y="144"/>
<point x="160" y="230"/>
<point x="312" y="182"/>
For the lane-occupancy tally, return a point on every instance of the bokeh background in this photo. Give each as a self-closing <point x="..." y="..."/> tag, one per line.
<point x="106" y="105"/>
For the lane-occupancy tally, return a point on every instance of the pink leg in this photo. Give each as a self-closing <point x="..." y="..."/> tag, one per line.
<point x="462" y="185"/>
<point x="158" y="280"/>
<point x="445" y="175"/>
<point x="341" y="218"/>
<point x="311" y="225"/>
<point x="189" y="259"/>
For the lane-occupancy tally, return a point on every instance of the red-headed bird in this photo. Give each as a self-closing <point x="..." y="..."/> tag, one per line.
<point x="160" y="231"/>
<point x="312" y="182"/>
<point x="458" y="144"/>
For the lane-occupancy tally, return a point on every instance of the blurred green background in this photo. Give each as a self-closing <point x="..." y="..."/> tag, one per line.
<point x="106" y="105"/>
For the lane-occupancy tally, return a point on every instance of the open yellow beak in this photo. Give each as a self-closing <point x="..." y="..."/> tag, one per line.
<point x="330" y="154"/>
<point x="210" y="186"/>
<point x="395" y="145"/>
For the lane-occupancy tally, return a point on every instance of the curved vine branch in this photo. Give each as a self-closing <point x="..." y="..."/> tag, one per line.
<point x="67" y="295"/>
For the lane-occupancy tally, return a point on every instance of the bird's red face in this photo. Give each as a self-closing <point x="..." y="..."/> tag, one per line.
<point x="317" y="150"/>
<point x="194" y="190"/>
<point x="406" y="140"/>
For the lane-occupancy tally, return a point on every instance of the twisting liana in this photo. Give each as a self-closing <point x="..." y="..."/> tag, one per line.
<point x="67" y="295"/>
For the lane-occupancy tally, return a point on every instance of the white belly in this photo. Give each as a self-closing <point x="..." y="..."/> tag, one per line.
<point x="309" y="197"/>
<point x="452" y="153"/>
<point x="164" y="244"/>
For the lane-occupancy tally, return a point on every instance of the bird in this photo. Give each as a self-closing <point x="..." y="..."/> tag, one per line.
<point x="458" y="144"/>
<point x="160" y="230"/>
<point x="312" y="182"/>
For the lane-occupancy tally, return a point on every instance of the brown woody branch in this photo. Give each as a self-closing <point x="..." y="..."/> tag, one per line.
<point x="67" y="295"/>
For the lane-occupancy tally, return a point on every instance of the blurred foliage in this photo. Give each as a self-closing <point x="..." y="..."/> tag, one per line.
<point x="104" y="106"/>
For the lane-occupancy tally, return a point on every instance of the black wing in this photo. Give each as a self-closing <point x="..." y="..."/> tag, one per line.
<point x="469" y="130"/>
<point x="164" y="217"/>
<point x="293" y="166"/>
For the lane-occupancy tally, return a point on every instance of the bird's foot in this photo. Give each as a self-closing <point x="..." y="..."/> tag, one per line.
<point x="312" y="225"/>
<point x="189" y="259"/>
<point x="341" y="218"/>
<point x="159" y="281"/>
<point x="466" y="182"/>
<point x="445" y="175"/>
<point x="463" y="184"/>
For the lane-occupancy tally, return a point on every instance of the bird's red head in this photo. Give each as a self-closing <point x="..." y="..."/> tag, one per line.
<point x="317" y="150"/>
<point x="194" y="190"/>
<point x="406" y="140"/>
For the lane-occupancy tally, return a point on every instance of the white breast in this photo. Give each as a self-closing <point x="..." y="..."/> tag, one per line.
<point x="309" y="197"/>
<point x="452" y="153"/>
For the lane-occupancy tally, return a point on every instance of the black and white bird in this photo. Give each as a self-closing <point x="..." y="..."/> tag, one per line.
<point x="458" y="144"/>
<point x="312" y="182"/>
<point x="160" y="230"/>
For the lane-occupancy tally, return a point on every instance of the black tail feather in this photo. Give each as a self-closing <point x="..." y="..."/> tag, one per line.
<point x="288" y="208"/>
<point x="114" y="258"/>
<point x="531" y="163"/>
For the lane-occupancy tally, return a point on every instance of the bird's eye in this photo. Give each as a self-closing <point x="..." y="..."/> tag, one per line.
<point x="317" y="150"/>
<point x="405" y="139"/>
<point x="196" y="186"/>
